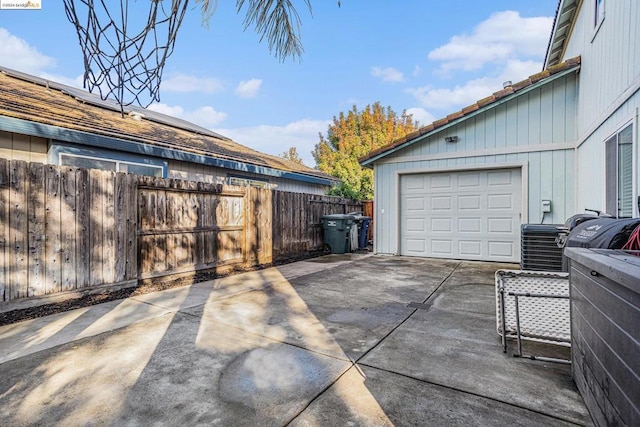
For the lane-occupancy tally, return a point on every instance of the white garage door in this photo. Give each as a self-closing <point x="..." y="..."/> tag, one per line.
<point x="471" y="215"/>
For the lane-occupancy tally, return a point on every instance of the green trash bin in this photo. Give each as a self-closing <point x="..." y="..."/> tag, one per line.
<point x="336" y="231"/>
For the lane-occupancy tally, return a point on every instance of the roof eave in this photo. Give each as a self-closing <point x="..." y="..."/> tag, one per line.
<point x="11" y="124"/>
<point x="563" y="24"/>
<point x="370" y="161"/>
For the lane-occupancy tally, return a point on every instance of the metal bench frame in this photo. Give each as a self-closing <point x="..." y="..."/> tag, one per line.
<point x="533" y="305"/>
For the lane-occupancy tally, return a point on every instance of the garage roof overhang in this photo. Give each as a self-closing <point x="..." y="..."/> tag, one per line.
<point x="42" y="130"/>
<point x="498" y="98"/>
<point x="566" y="14"/>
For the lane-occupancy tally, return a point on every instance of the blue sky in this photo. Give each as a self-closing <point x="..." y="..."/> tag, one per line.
<point x="427" y="57"/>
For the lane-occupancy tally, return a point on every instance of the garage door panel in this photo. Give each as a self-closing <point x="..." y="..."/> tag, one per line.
<point x="470" y="248"/>
<point x="465" y="215"/>
<point x="440" y="225"/>
<point x="416" y="225"/>
<point x="441" y="247"/>
<point x="440" y="182"/>
<point x="500" y="201"/>
<point x="469" y="225"/>
<point x="441" y="203"/>
<point x="500" y="225"/>
<point x="501" y="249"/>
<point x="469" y="202"/>
<point x="415" y="204"/>
<point x="469" y="180"/>
<point x="416" y="246"/>
<point x="415" y="182"/>
<point x="500" y="178"/>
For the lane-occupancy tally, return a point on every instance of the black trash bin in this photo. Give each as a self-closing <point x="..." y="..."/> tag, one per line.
<point x="336" y="231"/>
<point x="364" y="232"/>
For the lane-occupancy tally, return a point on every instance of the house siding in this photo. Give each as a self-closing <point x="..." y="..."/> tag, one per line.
<point x="15" y="146"/>
<point x="535" y="131"/>
<point x="609" y="81"/>
<point x="610" y="58"/>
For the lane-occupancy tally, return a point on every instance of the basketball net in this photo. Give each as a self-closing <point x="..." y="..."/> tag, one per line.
<point x="124" y="54"/>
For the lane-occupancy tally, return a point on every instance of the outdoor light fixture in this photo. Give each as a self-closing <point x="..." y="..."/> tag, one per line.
<point x="453" y="138"/>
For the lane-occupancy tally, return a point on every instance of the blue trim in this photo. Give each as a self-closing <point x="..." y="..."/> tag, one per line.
<point x="11" y="124"/>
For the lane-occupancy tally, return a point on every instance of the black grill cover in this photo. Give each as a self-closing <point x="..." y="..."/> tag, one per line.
<point x="604" y="233"/>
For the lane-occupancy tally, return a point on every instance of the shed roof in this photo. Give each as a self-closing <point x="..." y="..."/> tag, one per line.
<point x="78" y="116"/>
<point x="491" y="100"/>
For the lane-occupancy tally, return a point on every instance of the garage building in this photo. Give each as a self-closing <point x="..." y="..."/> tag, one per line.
<point x="462" y="186"/>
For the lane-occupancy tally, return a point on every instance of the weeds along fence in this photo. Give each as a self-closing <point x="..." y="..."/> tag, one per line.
<point x="71" y="229"/>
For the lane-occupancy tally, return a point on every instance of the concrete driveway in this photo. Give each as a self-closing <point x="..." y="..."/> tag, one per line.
<point x="337" y="340"/>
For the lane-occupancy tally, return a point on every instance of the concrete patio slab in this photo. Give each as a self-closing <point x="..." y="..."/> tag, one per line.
<point x="453" y="343"/>
<point x="341" y="340"/>
<point x="373" y="397"/>
<point x="21" y="339"/>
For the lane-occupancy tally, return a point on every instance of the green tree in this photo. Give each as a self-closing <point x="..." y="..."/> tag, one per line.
<point x="353" y="135"/>
<point x="292" y="154"/>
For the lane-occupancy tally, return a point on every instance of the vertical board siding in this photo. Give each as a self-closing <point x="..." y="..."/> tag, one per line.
<point x="610" y="58"/>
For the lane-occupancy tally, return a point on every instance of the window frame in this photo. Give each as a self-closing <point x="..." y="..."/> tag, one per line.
<point x="617" y="169"/>
<point x="599" y="13"/>
<point x="59" y="149"/>
<point x="247" y="181"/>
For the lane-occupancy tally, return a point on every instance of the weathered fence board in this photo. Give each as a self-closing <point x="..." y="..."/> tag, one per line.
<point x="36" y="229"/>
<point x="68" y="228"/>
<point x="18" y="237"/>
<point x="4" y="229"/>
<point x="297" y="224"/>
<point x="53" y="243"/>
<point x="65" y="228"/>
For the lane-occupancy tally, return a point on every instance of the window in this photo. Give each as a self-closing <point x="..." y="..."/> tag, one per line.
<point x="87" y="162"/>
<point x="247" y="182"/>
<point x="599" y="13"/>
<point x="619" y="173"/>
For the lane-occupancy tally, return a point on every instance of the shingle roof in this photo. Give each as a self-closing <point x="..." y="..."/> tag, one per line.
<point x="484" y="102"/>
<point x="36" y="100"/>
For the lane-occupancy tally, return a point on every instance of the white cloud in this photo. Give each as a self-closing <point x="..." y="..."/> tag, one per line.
<point x="183" y="83"/>
<point x="421" y="115"/>
<point x="248" y="88"/>
<point x="302" y="134"/>
<point x="473" y="90"/>
<point x="505" y="35"/>
<point x="205" y="116"/>
<point x="388" y="74"/>
<point x="16" y="53"/>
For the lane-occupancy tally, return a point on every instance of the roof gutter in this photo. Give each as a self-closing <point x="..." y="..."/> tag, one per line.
<point x="26" y="127"/>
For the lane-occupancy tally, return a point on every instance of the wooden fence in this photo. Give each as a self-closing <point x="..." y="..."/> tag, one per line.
<point x="64" y="228"/>
<point x="297" y="227"/>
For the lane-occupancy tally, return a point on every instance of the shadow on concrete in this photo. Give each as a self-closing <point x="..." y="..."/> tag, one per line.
<point x="304" y="344"/>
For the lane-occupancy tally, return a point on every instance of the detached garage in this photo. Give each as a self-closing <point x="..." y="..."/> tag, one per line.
<point x="461" y="187"/>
